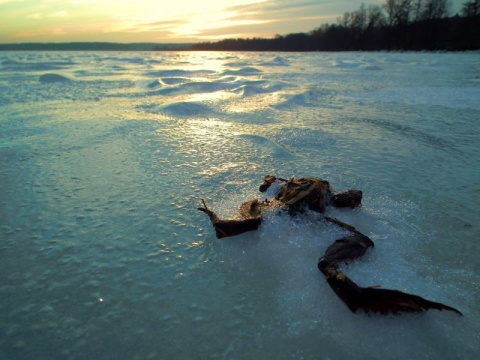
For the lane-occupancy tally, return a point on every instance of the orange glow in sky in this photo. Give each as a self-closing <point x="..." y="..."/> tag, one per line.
<point x="163" y="21"/>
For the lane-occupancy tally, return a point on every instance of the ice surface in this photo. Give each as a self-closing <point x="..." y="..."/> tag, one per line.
<point x="103" y="160"/>
<point x="53" y="78"/>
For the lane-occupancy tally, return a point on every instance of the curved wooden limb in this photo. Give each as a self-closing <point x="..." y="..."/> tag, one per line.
<point x="369" y="299"/>
<point x="226" y="228"/>
<point x="347" y="248"/>
<point x="206" y="210"/>
<point x="372" y="299"/>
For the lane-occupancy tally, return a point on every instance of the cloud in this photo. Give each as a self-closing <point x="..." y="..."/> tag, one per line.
<point x="61" y="13"/>
<point x="177" y="20"/>
<point x="265" y="19"/>
<point x="9" y="1"/>
<point x="250" y="19"/>
<point x="83" y="2"/>
<point x="35" y="16"/>
<point x="182" y="20"/>
<point x="62" y="30"/>
<point x="57" y="14"/>
<point x="284" y="9"/>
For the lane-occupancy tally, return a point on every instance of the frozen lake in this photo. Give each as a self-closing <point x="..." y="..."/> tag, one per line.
<point x="103" y="160"/>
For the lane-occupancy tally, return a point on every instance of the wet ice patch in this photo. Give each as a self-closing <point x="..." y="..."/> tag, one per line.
<point x="175" y="80"/>
<point x="258" y="87"/>
<point x="179" y="73"/>
<point x="53" y="78"/>
<point x="154" y="84"/>
<point x="29" y="65"/>
<point x="306" y="138"/>
<point x="276" y="61"/>
<point x="308" y="98"/>
<point x="345" y="64"/>
<point x="267" y="145"/>
<point x="371" y="67"/>
<point x="451" y="97"/>
<point x="243" y="71"/>
<point x="238" y="64"/>
<point x="193" y="87"/>
<point x="183" y="109"/>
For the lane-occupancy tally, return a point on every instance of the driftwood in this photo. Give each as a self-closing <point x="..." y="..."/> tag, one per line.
<point x="369" y="299"/>
<point x="315" y="194"/>
<point x="224" y="228"/>
<point x="374" y="299"/>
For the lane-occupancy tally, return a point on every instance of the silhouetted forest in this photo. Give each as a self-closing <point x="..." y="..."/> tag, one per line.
<point x="94" y="46"/>
<point x="395" y="25"/>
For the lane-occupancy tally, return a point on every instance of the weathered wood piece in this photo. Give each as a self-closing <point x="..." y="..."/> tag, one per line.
<point x="297" y="195"/>
<point x="225" y="228"/>
<point x="347" y="248"/>
<point x="349" y="198"/>
<point x="374" y="299"/>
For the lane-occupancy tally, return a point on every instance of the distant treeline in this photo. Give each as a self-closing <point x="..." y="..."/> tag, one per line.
<point x="395" y="25"/>
<point x="93" y="46"/>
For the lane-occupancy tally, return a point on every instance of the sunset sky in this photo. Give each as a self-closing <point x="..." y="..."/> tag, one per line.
<point x="165" y="21"/>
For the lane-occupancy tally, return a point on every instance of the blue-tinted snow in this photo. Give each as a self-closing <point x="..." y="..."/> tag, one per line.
<point x="103" y="160"/>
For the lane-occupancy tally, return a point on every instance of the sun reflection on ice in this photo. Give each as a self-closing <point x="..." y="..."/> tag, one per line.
<point x="208" y="129"/>
<point x="210" y="97"/>
<point x="208" y="60"/>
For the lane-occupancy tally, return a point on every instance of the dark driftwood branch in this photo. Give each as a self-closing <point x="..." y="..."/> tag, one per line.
<point x="313" y="193"/>
<point x="349" y="198"/>
<point x="369" y="299"/>
<point x="225" y="228"/>
<point x="373" y="299"/>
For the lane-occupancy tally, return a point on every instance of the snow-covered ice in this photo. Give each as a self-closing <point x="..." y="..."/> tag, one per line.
<point x="104" y="157"/>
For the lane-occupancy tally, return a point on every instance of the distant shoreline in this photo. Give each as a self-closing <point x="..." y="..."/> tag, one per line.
<point x="95" y="46"/>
